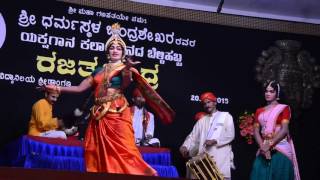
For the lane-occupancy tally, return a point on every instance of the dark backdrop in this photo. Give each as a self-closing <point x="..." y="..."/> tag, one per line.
<point x="217" y="58"/>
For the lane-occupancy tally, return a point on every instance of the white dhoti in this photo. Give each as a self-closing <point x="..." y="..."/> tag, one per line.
<point x="54" y="134"/>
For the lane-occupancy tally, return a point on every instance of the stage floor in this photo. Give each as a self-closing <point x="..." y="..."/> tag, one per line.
<point x="15" y="173"/>
<point x="67" y="155"/>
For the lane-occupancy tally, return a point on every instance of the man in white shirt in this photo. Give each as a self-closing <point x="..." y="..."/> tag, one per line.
<point x="213" y="134"/>
<point x="143" y="122"/>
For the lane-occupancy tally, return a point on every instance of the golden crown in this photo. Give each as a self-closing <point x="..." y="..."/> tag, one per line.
<point x="115" y="37"/>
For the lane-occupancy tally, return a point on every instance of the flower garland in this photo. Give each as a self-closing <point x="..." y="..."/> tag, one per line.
<point x="246" y="121"/>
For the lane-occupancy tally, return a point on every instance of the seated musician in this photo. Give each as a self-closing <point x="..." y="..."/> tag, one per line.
<point x="41" y="122"/>
<point x="75" y="123"/>
<point x="143" y="122"/>
<point x="213" y="134"/>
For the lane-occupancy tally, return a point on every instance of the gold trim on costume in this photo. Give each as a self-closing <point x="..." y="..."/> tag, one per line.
<point x="110" y="97"/>
<point x="119" y="110"/>
<point x="100" y="111"/>
<point x="103" y="104"/>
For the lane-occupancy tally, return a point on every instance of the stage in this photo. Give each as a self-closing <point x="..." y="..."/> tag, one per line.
<point x="18" y="173"/>
<point x="32" y="155"/>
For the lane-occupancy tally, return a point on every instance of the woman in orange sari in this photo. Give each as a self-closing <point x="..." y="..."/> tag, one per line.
<point x="109" y="140"/>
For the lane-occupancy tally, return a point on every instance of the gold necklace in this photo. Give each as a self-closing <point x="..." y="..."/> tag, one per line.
<point x="108" y="68"/>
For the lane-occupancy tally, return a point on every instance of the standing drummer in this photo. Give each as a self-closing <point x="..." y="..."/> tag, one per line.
<point x="213" y="134"/>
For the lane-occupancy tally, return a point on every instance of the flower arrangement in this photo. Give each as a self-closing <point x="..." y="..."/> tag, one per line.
<point x="246" y="121"/>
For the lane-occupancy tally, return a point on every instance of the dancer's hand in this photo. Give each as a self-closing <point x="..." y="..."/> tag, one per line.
<point x="267" y="155"/>
<point x="265" y="147"/>
<point x="130" y="63"/>
<point x="49" y="87"/>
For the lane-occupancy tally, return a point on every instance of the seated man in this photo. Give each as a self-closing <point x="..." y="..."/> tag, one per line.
<point x="41" y="122"/>
<point x="71" y="121"/>
<point x="143" y="122"/>
<point x="75" y="123"/>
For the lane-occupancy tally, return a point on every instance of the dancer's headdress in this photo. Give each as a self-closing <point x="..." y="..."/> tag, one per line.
<point x="115" y="37"/>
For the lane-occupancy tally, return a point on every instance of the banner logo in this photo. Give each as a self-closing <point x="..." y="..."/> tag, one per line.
<point x="2" y="30"/>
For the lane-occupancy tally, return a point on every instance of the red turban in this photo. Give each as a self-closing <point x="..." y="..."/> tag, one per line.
<point x="199" y="115"/>
<point x="136" y="93"/>
<point x="208" y="95"/>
